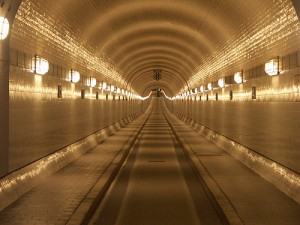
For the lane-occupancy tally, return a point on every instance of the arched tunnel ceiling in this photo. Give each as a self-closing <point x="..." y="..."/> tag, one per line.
<point x="179" y="37"/>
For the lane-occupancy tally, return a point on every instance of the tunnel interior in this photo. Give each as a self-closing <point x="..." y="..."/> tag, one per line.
<point x="72" y="68"/>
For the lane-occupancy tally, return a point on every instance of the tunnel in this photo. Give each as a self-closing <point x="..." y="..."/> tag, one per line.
<point x="150" y="112"/>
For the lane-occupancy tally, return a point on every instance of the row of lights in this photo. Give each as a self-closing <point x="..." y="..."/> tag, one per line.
<point x="271" y="68"/>
<point x="238" y="78"/>
<point x="112" y="88"/>
<point x="40" y="66"/>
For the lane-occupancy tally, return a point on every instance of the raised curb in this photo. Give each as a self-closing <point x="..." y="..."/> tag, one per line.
<point x="91" y="202"/>
<point x="222" y="204"/>
<point x="283" y="178"/>
<point x="17" y="183"/>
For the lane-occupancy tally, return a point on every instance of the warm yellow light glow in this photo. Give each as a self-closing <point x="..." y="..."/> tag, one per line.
<point x="195" y="90"/>
<point x="202" y="88"/>
<point x="64" y="39"/>
<point x="103" y="86"/>
<point x="118" y="90"/>
<point x="75" y="76"/>
<point x="221" y="82"/>
<point x="39" y="65"/>
<point x="250" y="44"/>
<point x="122" y="91"/>
<point x="144" y="98"/>
<point x="272" y="67"/>
<point x="238" y="77"/>
<point x="38" y="81"/>
<point x="93" y="82"/>
<point x="112" y="88"/>
<point x="166" y="95"/>
<point x="4" y="28"/>
<point x="209" y="86"/>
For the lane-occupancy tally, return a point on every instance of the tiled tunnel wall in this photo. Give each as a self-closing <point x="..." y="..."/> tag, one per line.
<point x="268" y="125"/>
<point x="262" y="113"/>
<point x="41" y="123"/>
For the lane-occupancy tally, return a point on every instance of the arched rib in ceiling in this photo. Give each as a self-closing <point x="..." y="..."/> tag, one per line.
<point x="155" y="87"/>
<point x="165" y="48"/>
<point x="139" y="81"/>
<point x="117" y="16"/>
<point x="176" y="31"/>
<point x="168" y="75"/>
<point x="150" y="63"/>
<point x="156" y="84"/>
<point x="137" y="34"/>
<point x="152" y="56"/>
<point x="149" y="47"/>
<point x="165" y="59"/>
<point x="183" y="50"/>
<point x="165" y="66"/>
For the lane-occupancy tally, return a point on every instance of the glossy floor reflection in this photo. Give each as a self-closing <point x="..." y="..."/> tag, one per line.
<point x="156" y="184"/>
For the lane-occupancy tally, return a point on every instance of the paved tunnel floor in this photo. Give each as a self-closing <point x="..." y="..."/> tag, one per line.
<point x="153" y="184"/>
<point x="156" y="185"/>
<point x="56" y="198"/>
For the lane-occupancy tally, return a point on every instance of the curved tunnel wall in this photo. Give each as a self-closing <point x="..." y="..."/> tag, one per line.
<point x="268" y="124"/>
<point x="41" y="123"/>
<point x="37" y="113"/>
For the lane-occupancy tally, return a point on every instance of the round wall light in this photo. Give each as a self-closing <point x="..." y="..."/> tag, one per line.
<point x="238" y="77"/>
<point x="4" y="28"/>
<point x="75" y="76"/>
<point x="202" y="89"/>
<point x="221" y="82"/>
<point x="209" y="86"/>
<point x="39" y="65"/>
<point x="112" y="88"/>
<point x="272" y="67"/>
<point x="93" y="82"/>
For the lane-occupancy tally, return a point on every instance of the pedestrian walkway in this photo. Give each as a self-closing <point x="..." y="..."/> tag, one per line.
<point x="57" y="198"/>
<point x="254" y="200"/>
<point x="66" y="196"/>
<point x="156" y="185"/>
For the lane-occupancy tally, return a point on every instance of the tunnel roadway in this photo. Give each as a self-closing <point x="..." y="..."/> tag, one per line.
<point x="156" y="184"/>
